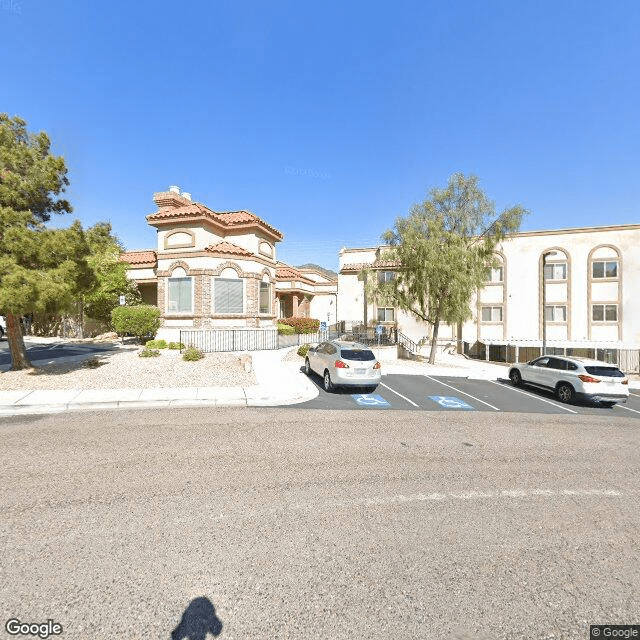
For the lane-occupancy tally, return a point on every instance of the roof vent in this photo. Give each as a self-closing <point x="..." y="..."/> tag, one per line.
<point x="175" y="190"/>
<point x="186" y="195"/>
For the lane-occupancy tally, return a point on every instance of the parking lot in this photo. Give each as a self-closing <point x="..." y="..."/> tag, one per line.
<point x="448" y="393"/>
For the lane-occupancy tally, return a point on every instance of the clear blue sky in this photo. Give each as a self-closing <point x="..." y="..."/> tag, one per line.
<point x="329" y="119"/>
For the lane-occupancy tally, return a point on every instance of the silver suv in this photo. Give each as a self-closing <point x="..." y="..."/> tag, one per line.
<point x="342" y="363"/>
<point x="573" y="378"/>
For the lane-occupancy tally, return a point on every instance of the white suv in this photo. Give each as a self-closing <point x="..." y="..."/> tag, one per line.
<point x="573" y="378"/>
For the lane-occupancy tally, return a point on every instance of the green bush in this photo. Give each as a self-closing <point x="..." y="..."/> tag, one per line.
<point x="149" y="353"/>
<point x="301" y="325"/>
<point x="303" y="349"/>
<point x="156" y="344"/>
<point x="192" y="353"/>
<point x="139" y="321"/>
<point x="176" y="345"/>
<point x="285" y="330"/>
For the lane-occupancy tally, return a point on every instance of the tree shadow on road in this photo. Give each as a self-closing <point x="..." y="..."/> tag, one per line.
<point x="198" y="620"/>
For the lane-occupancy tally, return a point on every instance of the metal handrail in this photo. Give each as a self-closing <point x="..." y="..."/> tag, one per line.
<point x="408" y="343"/>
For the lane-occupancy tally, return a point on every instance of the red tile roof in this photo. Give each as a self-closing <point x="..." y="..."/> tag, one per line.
<point x="289" y="273"/>
<point x="228" y="248"/>
<point x="378" y="264"/>
<point x="139" y="258"/>
<point x="227" y="219"/>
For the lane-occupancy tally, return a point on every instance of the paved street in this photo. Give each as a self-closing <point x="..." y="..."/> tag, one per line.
<point x="455" y="393"/>
<point x="48" y="351"/>
<point x="321" y="524"/>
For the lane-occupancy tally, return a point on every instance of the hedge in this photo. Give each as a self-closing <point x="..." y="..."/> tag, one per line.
<point x="140" y="320"/>
<point x="301" y="325"/>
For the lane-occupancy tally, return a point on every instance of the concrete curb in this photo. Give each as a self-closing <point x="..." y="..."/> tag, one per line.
<point x="279" y="383"/>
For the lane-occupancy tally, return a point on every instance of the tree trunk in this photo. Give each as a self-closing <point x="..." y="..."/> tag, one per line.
<point x="434" y="341"/>
<point x="19" y="358"/>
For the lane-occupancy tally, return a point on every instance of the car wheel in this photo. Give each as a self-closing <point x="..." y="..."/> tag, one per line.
<point x="307" y="367"/>
<point x="515" y="377"/>
<point x="328" y="385"/>
<point x="565" y="392"/>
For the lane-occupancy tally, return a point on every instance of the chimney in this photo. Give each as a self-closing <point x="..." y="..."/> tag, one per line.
<point x="171" y="199"/>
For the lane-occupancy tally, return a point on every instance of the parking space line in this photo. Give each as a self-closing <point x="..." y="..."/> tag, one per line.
<point x="531" y="395"/>
<point x="627" y="408"/>
<point x="382" y="384"/>
<point x="637" y="395"/>
<point x="463" y="392"/>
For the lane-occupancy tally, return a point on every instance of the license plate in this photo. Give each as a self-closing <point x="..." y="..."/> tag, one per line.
<point x="360" y="371"/>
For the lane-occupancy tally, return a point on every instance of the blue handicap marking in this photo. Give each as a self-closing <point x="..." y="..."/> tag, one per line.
<point x="370" y="400"/>
<point x="450" y="402"/>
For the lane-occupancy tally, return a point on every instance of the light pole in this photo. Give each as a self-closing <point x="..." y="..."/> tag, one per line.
<point x="544" y="300"/>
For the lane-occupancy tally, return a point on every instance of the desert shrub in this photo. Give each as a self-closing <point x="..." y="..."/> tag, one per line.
<point x="139" y="321"/>
<point x="285" y="329"/>
<point x="301" y="325"/>
<point x="156" y="344"/>
<point x="192" y="353"/>
<point x="303" y="349"/>
<point x="176" y="345"/>
<point x="149" y="353"/>
<point x="92" y="363"/>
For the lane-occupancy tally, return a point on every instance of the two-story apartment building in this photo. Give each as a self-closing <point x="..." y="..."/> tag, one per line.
<point x="219" y="269"/>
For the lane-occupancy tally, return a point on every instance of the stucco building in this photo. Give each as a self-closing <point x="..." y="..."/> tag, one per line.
<point x="590" y="293"/>
<point x="214" y="269"/>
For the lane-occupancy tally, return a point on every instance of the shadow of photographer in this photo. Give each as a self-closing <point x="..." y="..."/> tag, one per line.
<point x="198" y="620"/>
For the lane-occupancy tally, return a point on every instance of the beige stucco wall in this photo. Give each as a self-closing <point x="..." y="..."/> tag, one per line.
<point x="521" y="287"/>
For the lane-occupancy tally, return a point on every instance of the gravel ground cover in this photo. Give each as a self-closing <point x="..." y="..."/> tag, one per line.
<point x="125" y="369"/>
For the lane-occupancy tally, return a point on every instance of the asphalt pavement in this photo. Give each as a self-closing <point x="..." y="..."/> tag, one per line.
<point x="454" y="384"/>
<point x="294" y="524"/>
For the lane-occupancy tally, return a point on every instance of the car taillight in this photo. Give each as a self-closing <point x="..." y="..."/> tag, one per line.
<point x="625" y="381"/>
<point x="377" y="365"/>
<point x="588" y="379"/>
<point x="338" y="364"/>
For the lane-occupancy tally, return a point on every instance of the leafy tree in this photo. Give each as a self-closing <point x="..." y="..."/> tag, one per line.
<point x="441" y="253"/>
<point x="110" y="273"/>
<point x="39" y="267"/>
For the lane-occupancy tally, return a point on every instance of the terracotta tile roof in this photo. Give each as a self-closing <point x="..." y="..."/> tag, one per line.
<point x="286" y="272"/>
<point x="228" y="248"/>
<point x="378" y="264"/>
<point x="227" y="219"/>
<point x="139" y="258"/>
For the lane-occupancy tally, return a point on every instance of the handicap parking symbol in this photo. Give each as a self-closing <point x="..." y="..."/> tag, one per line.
<point x="450" y="402"/>
<point x="370" y="400"/>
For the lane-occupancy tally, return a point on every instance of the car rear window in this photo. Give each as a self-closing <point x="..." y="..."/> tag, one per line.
<point x="610" y="372"/>
<point x="360" y="355"/>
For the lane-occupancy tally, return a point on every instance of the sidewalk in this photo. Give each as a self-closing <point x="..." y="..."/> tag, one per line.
<point x="279" y="383"/>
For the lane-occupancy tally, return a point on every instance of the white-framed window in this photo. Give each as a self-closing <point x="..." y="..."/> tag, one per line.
<point x="386" y="314"/>
<point x="180" y="295"/>
<point x="604" y="313"/>
<point x="555" y="271"/>
<point x="228" y="295"/>
<point x="604" y="269"/>
<point x="385" y="276"/>
<point x="496" y="274"/>
<point x="555" y="313"/>
<point x="491" y="314"/>
<point x="265" y="297"/>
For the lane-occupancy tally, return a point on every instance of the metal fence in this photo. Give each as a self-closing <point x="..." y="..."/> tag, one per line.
<point x="627" y="360"/>
<point x="210" y="340"/>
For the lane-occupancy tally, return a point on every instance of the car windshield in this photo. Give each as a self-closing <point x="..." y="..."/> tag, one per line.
<point x="611" y="372"/>
<point x="360" y="355"/>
